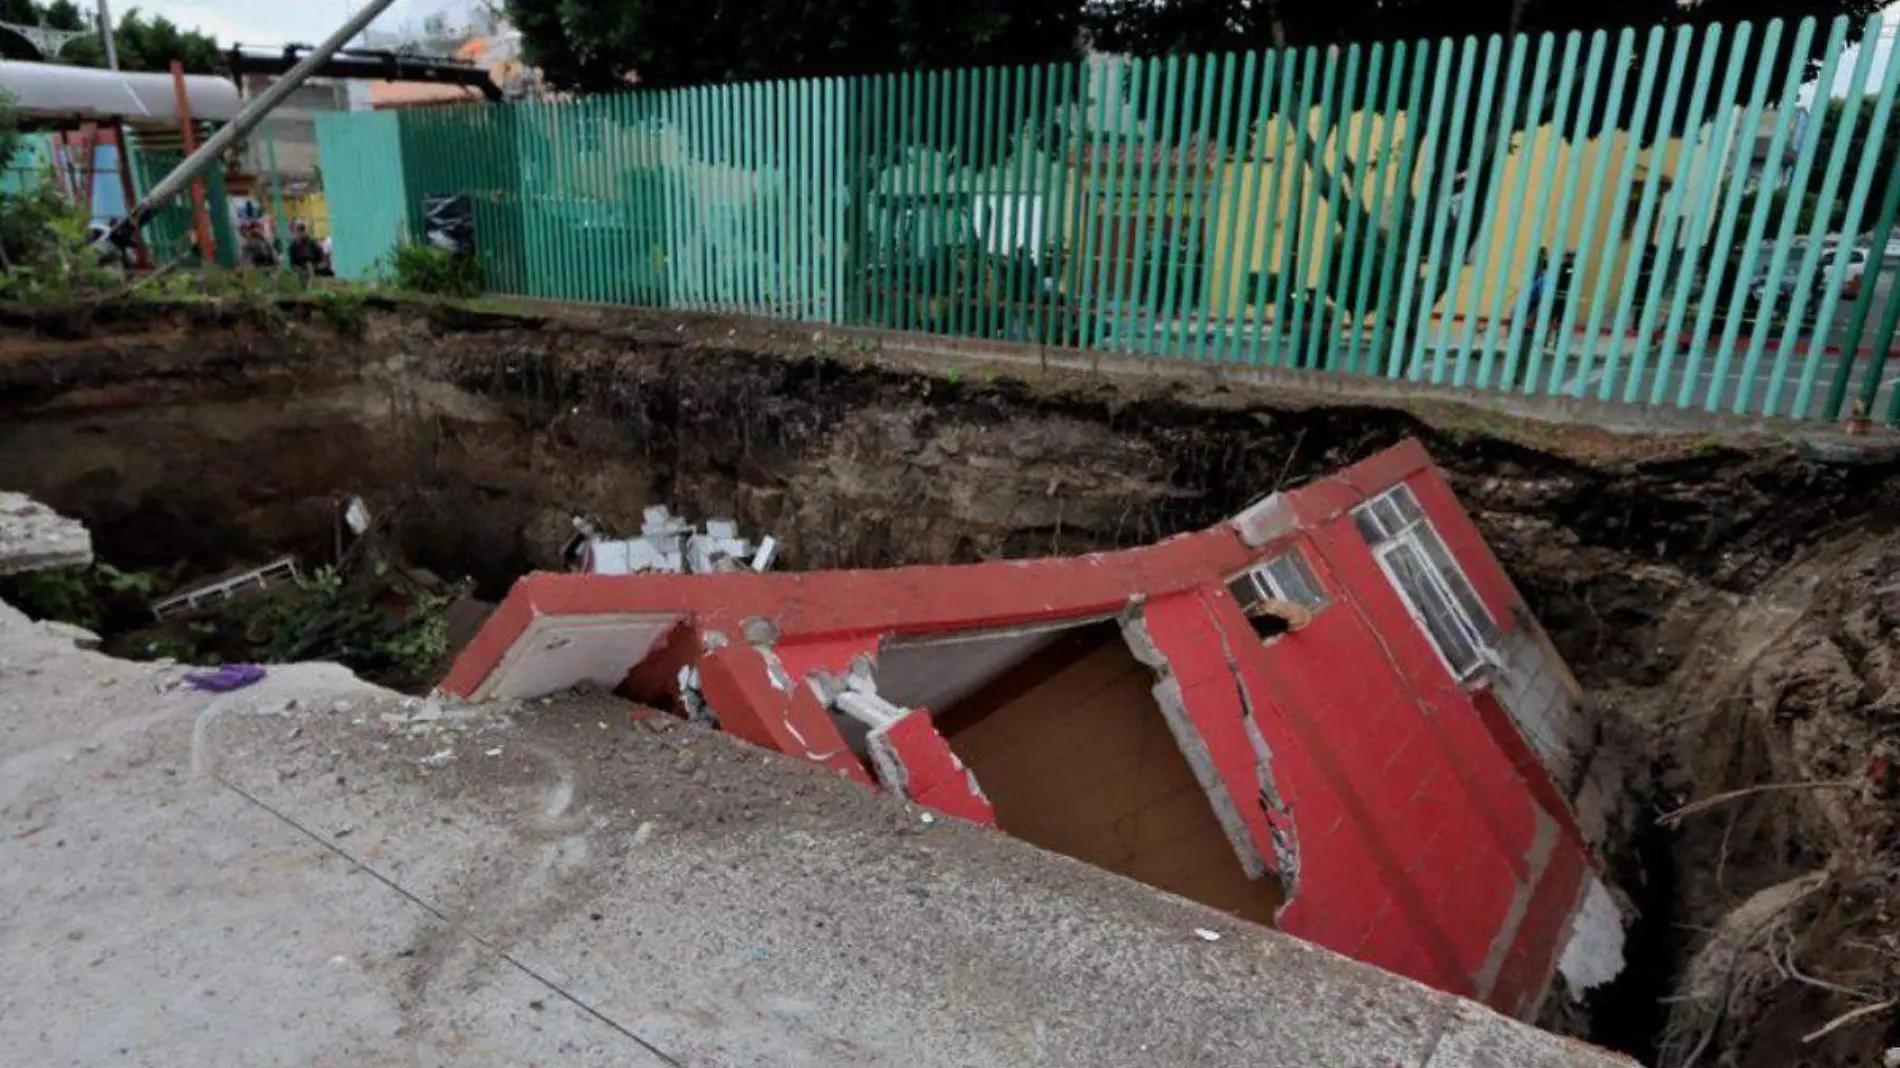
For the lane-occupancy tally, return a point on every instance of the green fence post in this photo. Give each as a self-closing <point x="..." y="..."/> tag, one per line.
<point x="1142" y="287"/>
<point x="1461" y="299"/>
<point x="1538" y="318"/>
<point x="1256" y="220"/>
<point x="1196" y="110"/>
<point x="1501" y="222"/>
<point x="1863" y="304"/>
<point x="1428" y="299"/>
<point x="1101" y="171"/>
<point x="1876" y="253"/>
<point x="1379" y="237"/>
<point x="1294" y="210"/>
<point x="1480" y="209"/>
<point x="1209" y="178"/>
<point x="1049" y="80"/>
<point x="1646" y="207"/>
<point x="1231" y="225"/>
<point x="1850" y="229"/>
<point x="1639" y="117"/>
<point x="1398" y="356"/>
<point x="1734" y="180"/>
<point x="1336" y="127"/>
<point x="954" y="175"/>
<point x="1712" y="177"/>
<point x="1685" y="179"/>
<point x="905" y="223"/>
<point x="885" y="202"/>
<point x="1758" y="219"/>
<point x="980" y="189"/>
<point x="1013" y="207"/>
<point x="1361" y="204"/>
<point x="1128" y="204"/>
<point x="1163" y="166"/>
<point x="1778" y="260"/>
<point x="1599" y="162"/>
<point x="1313" y="194"/>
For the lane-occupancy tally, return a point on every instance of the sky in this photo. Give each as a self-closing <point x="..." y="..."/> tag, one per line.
<point x="271" y="22"/>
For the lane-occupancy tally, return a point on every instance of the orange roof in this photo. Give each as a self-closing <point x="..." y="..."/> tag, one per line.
<point x="418" y="94"/>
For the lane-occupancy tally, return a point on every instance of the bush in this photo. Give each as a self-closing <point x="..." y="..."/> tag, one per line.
<point x="419" y="267"/>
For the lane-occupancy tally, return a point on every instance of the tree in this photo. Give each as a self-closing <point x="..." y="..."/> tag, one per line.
<point x="143" y="44"/>
<point x="1151" y="27"/>
<point x="600" y="44"/>
<point x="1887" y="161"/>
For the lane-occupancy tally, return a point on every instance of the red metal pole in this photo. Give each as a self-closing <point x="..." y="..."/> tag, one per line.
<point x="207" y="251"/>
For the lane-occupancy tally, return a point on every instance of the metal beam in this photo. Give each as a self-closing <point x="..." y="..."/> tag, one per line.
<point x="252" y="114"/>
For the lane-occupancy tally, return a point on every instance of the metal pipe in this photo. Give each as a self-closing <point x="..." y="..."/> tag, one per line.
<point x="252" y="114"/>
<point x="106" y="35"/>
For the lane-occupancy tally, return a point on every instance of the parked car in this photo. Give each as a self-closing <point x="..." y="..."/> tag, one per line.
<point x="1791" y="273"/>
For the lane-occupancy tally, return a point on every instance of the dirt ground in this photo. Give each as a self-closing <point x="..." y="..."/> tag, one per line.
<point x="1728" y="599"/>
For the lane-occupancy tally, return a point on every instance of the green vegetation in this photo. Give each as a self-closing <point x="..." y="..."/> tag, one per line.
<point x="147" y="44"/>
<point x="419" y="267"/>
<point x="328" y="618"/>
<point x="396" y="639"/>
<point x="99" y="597"/>
<point x="597" y="44"/>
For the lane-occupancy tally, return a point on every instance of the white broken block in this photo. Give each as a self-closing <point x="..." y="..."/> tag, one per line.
<point x="768" y="549"/>
<point x="669" y="545"/>
<point x="1594" y="954"/>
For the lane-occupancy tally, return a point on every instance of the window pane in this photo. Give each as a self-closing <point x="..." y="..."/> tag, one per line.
<point x="1389" y="516"/>
<point x="1410" y="568"/>
<point x="1242" y="587"/>
<point x="1406" y="504"/>
<point x="1369" y="526"/>
<point x="1289" y="575"/>
<point x="1455" y="581"/>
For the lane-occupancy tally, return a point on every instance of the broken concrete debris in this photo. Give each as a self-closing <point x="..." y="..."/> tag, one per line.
<point x="1128" y="709"/>
<point x="669" y="544"/>
<point x="33" y="537"/>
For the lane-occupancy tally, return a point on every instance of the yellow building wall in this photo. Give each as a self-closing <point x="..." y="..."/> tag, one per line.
<point x="313" y="210"/>
<point x="1504" y="239"/>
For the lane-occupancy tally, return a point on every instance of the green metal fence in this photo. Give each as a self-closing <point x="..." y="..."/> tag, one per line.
<point x="1689" y="218"/>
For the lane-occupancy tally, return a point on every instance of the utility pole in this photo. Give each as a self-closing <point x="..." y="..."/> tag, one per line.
<point x="106" y="35"/>
<point x="247" y="119"/>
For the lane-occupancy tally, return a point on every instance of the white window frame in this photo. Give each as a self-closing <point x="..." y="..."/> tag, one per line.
<point x="1398" y="520"/>
<point x="1260" y="575"/>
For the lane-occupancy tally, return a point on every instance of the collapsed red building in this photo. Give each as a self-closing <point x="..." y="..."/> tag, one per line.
<point x="1332" y="713"/>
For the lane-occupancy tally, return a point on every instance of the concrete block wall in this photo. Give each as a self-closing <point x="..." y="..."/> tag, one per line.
<point x="1544" y="700"/>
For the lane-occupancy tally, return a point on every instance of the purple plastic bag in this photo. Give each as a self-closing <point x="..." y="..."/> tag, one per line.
<point x="225" y="679"/>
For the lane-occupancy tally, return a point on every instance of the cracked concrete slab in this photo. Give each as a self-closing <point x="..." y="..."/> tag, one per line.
<point x="33" y="537"/>
<point x="294" y="874"/>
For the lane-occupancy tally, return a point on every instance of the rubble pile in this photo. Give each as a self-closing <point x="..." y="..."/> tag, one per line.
<point x="668" y="544"/>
